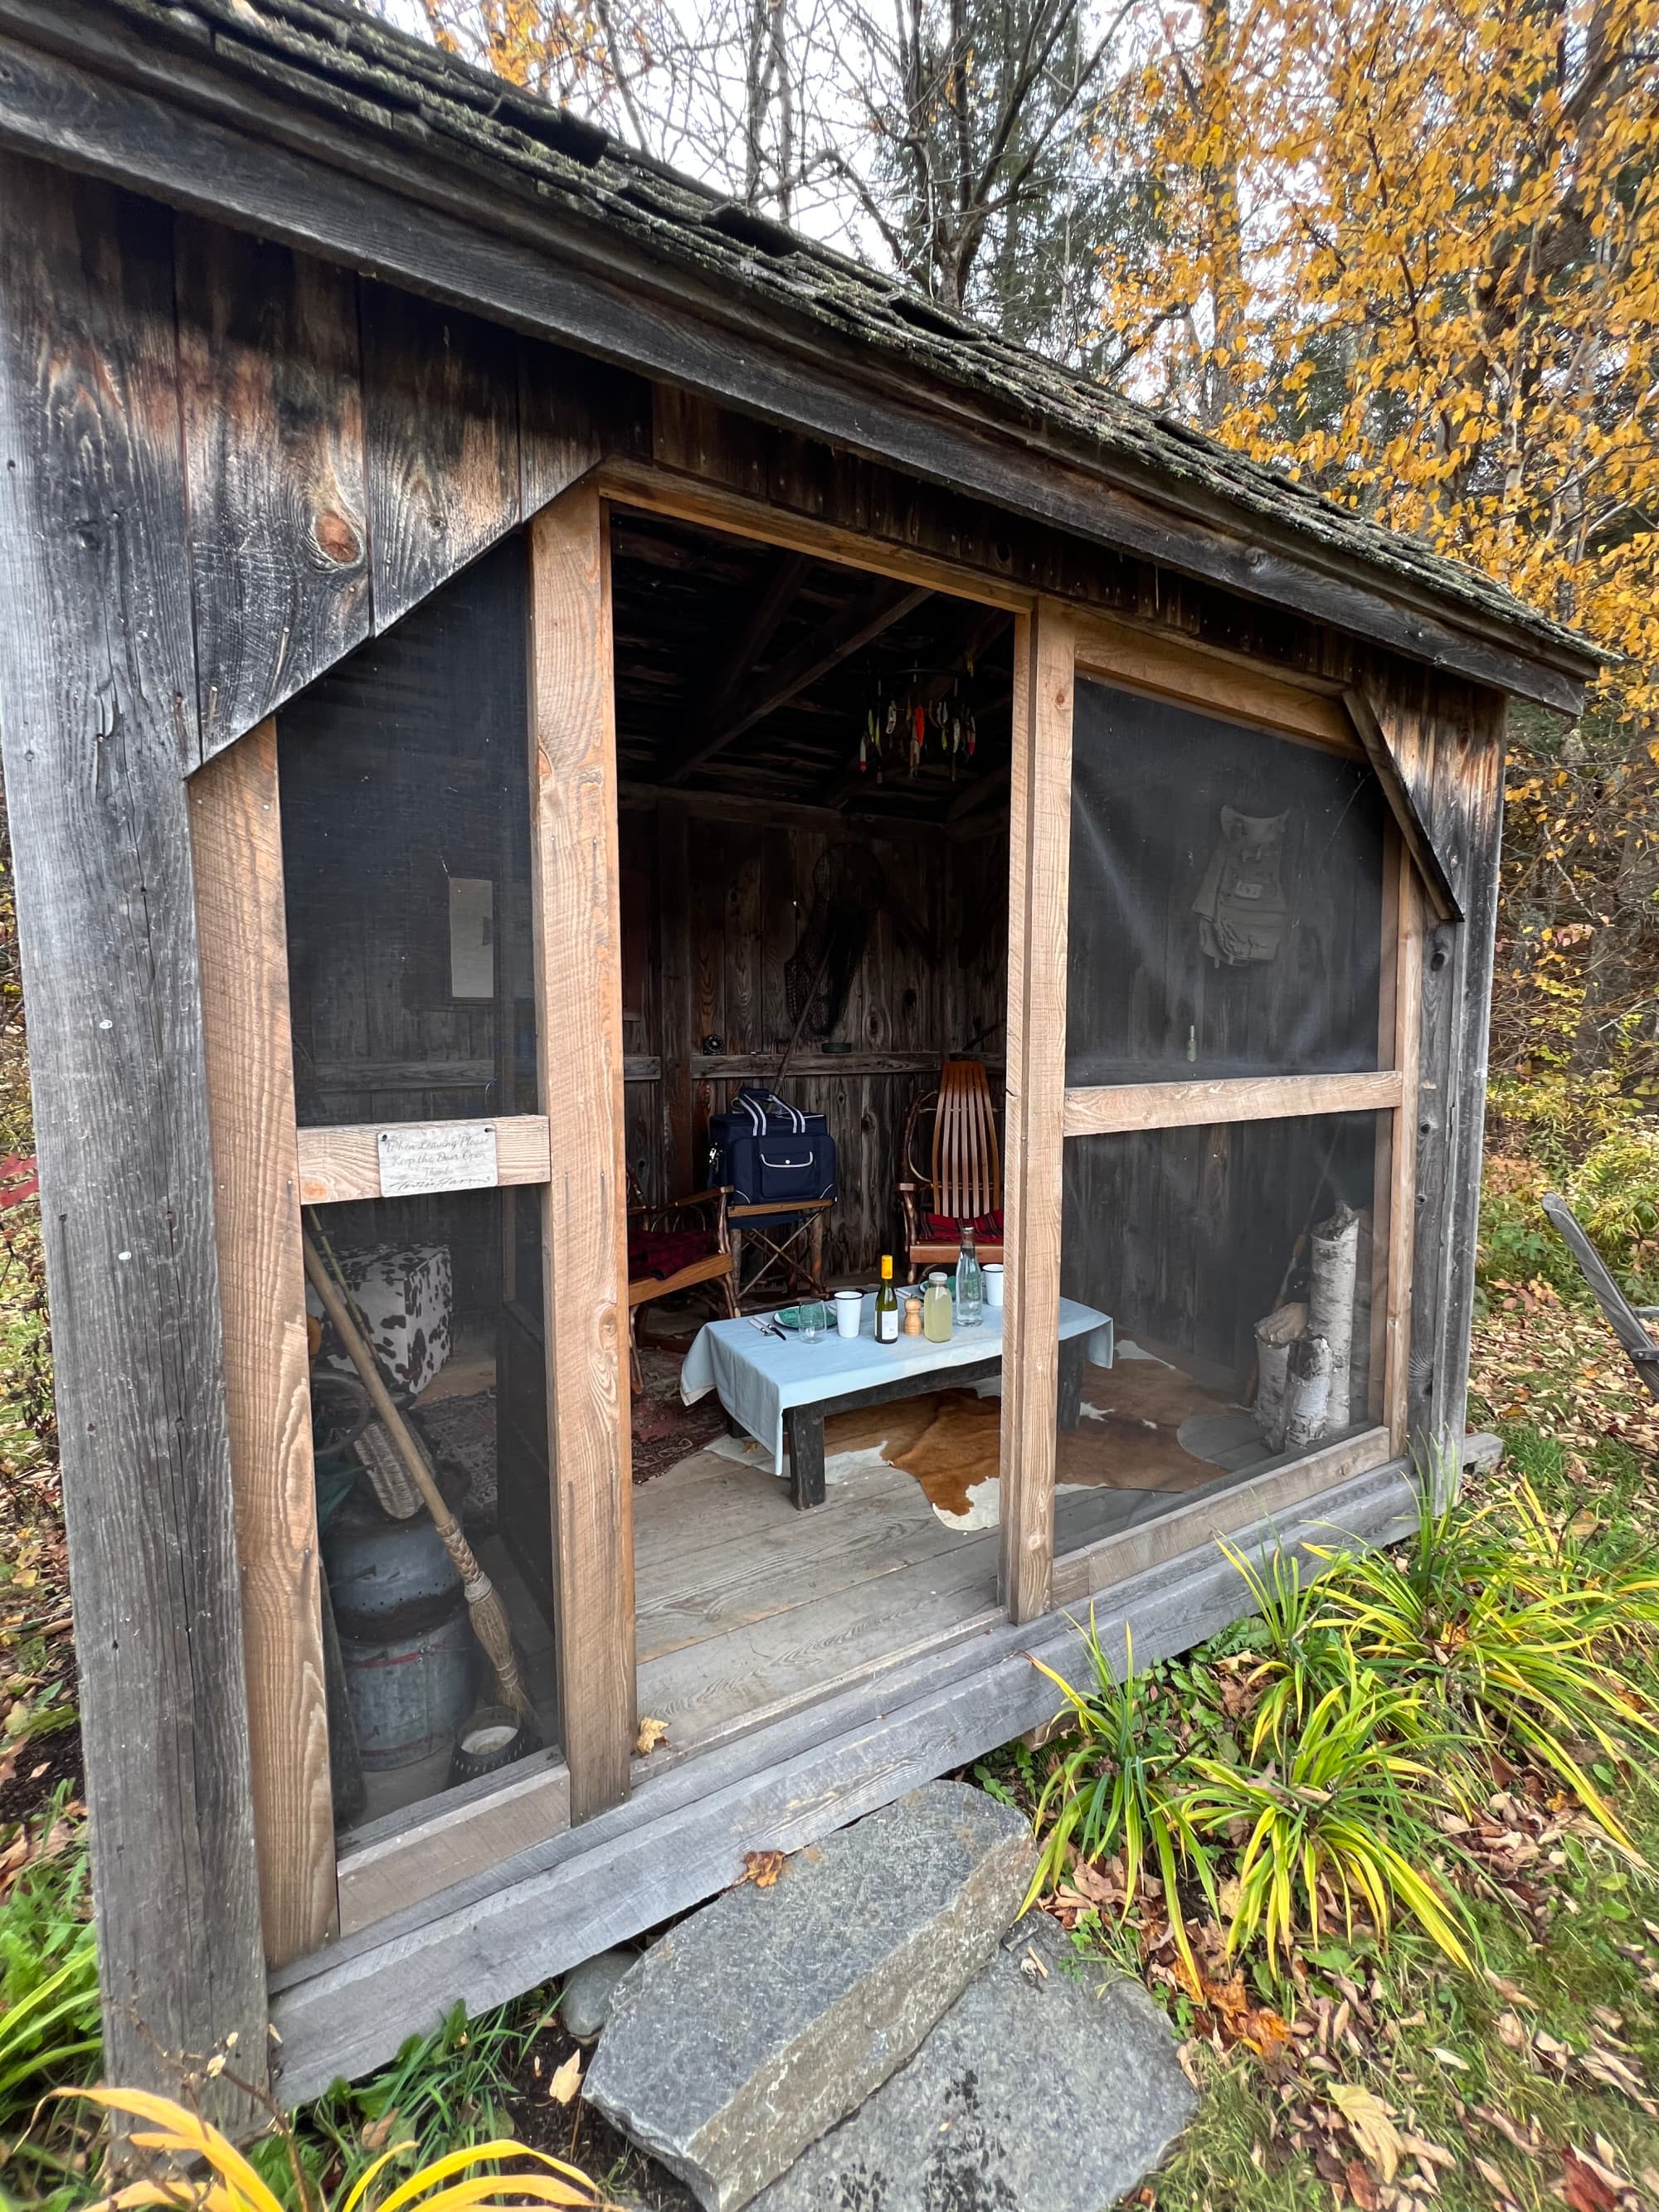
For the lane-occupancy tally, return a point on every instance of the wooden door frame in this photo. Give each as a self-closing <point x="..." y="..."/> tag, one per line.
<point x="578" y="951"/>
<point x="1111" y="653"/>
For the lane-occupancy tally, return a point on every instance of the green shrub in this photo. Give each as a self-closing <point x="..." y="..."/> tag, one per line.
<point x="1516" y="1632"/>
<point x="1122" y="1785"/>
<point x="1339" y="1804"/>
<point x="50" y="2019"/>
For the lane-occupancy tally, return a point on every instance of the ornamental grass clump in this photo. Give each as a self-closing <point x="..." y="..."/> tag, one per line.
<point x="1515" y="1632"/>
<point x="1339" y="1818"/>
<point x="1120" y="1786"/>
<point x="186" y="2144"/>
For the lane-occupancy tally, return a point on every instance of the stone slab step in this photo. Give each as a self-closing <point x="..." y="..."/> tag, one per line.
<point x="766" y="2017"/>
<point x="1035" y="2092"/>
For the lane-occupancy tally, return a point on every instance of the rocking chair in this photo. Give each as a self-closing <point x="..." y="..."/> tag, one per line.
<point x="961" y="1185"/>
<point x="669" y="1249"/>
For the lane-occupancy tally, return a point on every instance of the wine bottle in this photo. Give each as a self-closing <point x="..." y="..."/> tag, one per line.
<point x="887" y="1328"/>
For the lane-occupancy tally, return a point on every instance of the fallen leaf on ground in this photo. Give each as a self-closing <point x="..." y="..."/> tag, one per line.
<point x="1370" y="2126"/>
<point x="376" y="2133"/>
<point x="1361" y="2187"/>
<point x="652" y="1732"/>
<point x="763" y="1868"/>
<point x="565" y="2080"/>
<point x="1583" y="2187"/>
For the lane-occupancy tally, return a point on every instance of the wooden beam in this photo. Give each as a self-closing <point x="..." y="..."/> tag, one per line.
<point x="1181" y="669"/>
<point x="1108" y="1108"/>
<point x="98" y="692"/>
<point x="236" y="842"/>
<point x="1438" y="888"/>
<point x="1039" y="872"/>
<point x="844" y="633"/>
<point x="578" y="944"/>
<point x="770" y="609"/>
<point x="1402" y="1191"/>
<point x="342" y="1162"/>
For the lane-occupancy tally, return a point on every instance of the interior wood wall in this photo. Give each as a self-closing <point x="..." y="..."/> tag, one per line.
<point x="726" y="903"/>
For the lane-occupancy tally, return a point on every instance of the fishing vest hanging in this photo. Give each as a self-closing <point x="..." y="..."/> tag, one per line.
<point x="1241" y="905"/>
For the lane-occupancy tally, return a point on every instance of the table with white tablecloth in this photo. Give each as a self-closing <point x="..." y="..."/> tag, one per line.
<point x="768" y="1383"/>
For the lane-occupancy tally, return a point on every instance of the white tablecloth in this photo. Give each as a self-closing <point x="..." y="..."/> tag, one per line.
<point x="758" y="1377"/>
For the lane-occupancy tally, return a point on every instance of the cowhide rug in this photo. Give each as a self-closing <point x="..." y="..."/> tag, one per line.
<point x="949" y="1440"/>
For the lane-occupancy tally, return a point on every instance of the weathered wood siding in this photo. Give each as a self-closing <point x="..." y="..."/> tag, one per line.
<point x="98" y="714"/>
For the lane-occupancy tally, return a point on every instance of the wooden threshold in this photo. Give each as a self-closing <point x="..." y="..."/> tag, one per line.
<point x="1107" y="1109"/>
<point x="411" y="1855"/>
<point x="1222" y="1513"/>
<point x="342" y="1161"/>
<point x="683" y="1834"/>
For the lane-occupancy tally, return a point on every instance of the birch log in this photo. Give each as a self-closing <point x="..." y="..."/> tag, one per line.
<point x="1330" y="1304"/>
<point x="1307" y="1393"/>
<point x="1273" y="1339"/>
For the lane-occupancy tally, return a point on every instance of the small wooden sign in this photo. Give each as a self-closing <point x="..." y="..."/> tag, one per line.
<point x="428" y="1156"/>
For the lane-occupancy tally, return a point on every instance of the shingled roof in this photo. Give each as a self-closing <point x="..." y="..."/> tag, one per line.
<point x="331" y="55"/>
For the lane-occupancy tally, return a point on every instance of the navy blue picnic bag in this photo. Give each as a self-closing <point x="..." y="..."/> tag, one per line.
<point x="771" y="1153"/>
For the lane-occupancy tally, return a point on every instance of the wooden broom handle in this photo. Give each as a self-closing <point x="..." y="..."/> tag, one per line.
<point x="368" y="1368"/>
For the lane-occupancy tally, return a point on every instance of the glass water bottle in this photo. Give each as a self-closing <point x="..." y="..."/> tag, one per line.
<point x="970" y="1283"/>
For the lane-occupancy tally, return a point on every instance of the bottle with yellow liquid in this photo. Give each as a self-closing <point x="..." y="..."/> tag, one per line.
<point x="936" y="1313"/>
<point x="887" y="1313"/>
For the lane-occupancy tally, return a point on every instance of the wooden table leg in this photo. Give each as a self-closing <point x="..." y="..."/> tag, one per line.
<point x="804" y="1426"/>
<point x="1070" y="1410"/>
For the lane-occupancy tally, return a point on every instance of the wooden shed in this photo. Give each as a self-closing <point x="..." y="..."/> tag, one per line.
<point x="503" y="652"/>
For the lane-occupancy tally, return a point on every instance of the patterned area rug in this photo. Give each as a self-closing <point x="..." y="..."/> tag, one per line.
<point x="666" y="1430"/>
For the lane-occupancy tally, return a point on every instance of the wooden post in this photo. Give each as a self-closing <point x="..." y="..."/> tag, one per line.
<point x="578" y="941"/>
<point x="1039" y="874"/>
<point x="98" y="695"/>
<point x="237" y="845"/>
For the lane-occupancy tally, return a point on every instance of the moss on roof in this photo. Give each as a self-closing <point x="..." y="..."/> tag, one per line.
<point x="329" y="52"/>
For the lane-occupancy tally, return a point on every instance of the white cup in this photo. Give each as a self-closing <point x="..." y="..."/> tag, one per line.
<point x="993" y="1273"/>
<point x="849" y="1311"/>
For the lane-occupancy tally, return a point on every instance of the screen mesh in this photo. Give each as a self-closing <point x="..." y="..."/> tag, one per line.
<point x="406" y="802"/>
<point x="1226" y="899"/>
<point x="1246" y="1287"/>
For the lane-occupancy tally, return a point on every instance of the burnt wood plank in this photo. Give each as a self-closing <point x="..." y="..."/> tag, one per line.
<point x="441" y="411"/>
<point x="566" y="422"/>
<point x="98" y="711"/>
<point x="373" y="204"/>
<point x="273" y="423"/>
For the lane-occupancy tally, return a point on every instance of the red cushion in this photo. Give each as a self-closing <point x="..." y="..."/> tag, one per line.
<point x="663" y="1252"/>
<point x="942" y="1225"/>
